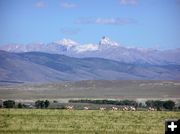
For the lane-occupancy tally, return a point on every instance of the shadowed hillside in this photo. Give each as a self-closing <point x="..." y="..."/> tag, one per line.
<point x="43" y="67"/>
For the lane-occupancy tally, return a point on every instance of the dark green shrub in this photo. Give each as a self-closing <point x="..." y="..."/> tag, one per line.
<point x="169" y="105"/>
<point x="9" y="104"/>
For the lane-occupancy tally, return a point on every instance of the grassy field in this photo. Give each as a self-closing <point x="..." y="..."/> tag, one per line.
<point x="22" y="121"/>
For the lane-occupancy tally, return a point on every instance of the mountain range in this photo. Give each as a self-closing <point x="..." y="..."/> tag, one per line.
<point x="67" y="60"/>
<point x="106" y="48"/>
<point x="46" y="67"/>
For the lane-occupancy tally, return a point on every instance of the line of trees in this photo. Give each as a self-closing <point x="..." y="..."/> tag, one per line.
<point x="113" y="102"/>
<point x="158" y="104"/>
<point x="12" y="104"/>
<point x="42" y="104"/>
<point x="9" y="104"/>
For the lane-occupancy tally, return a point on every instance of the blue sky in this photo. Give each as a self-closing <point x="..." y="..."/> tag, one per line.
<point x="136" y="23"/>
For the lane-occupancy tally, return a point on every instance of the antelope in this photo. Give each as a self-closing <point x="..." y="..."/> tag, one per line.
<point x="102" y="108"/>
<point x="70" y="107"/>
<point x="125" y="108"/>
<point x="151" y="109"/>
<point x="114" y="108"/>
<point x="86" y="108"/>
<point x="132" y="108"/>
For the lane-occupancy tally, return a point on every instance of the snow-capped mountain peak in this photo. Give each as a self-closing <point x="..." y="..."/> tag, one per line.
<point x="107" y="42"/>
<point x="85" y="48"/>
<point x="67" y="42"/>
<point x="106" y="48"/>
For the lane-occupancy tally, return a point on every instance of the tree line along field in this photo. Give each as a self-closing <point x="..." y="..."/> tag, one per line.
<point x="54" y="121"/>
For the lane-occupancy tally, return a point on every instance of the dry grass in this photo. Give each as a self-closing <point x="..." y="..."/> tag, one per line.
<point x="22" y="121"/>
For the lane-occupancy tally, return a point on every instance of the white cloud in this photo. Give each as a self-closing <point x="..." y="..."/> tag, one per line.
<point x="105" y="21"/>
<point x="68" y="5"/>
<point x="128" y="2"/>
<point x="113" y="21"/>
<point x="40" y="4"/>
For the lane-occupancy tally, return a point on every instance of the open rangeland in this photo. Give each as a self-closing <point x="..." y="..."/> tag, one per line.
<point x="116" y="89"/>
<point x="23" y="121"/>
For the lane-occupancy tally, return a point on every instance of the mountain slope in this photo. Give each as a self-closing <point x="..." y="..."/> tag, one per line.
<point x="44" y="67"/>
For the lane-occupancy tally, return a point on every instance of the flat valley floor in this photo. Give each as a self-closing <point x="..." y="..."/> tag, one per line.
<point x="54" y="121"/>
<point x="124" y="89"/>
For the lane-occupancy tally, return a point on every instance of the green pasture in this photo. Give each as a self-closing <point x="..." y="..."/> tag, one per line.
<point x="47" y="121"/>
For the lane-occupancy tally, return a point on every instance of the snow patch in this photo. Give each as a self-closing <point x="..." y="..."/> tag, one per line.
<point x="86" y="47"/>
